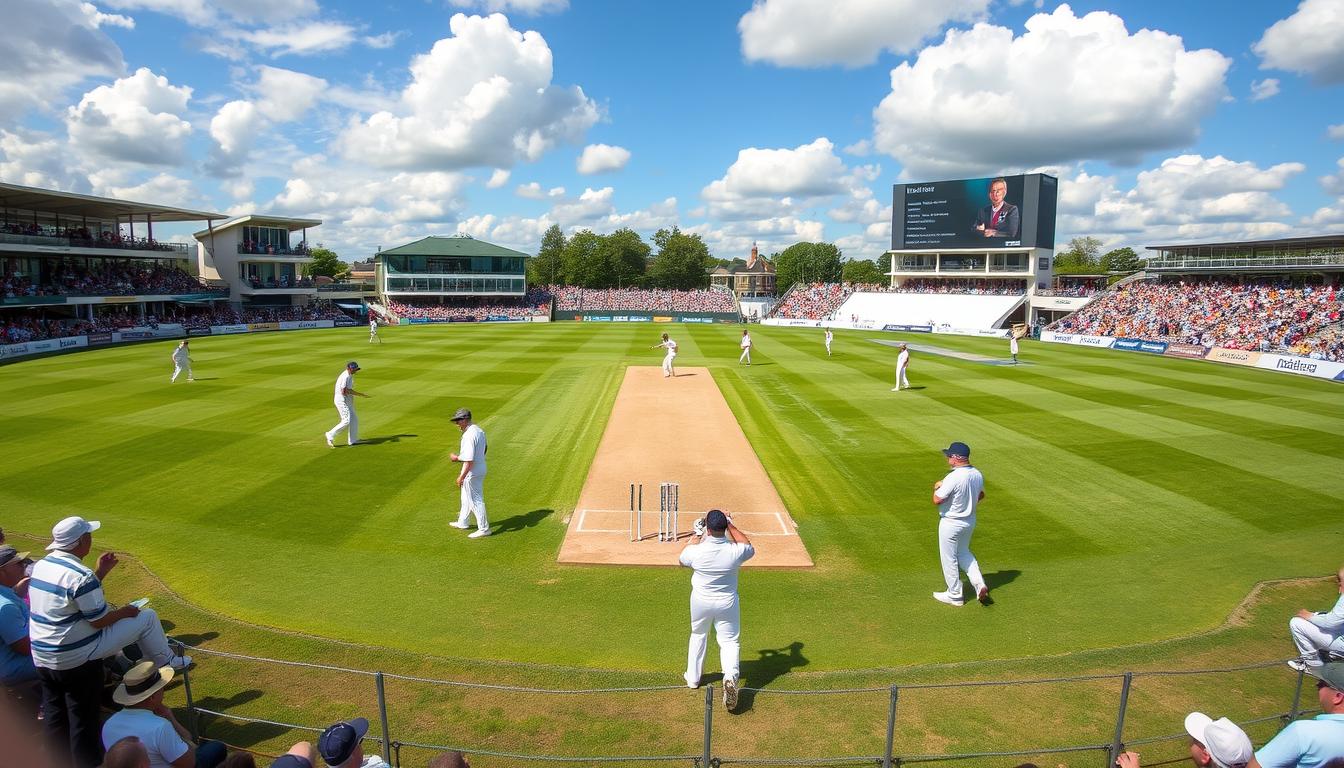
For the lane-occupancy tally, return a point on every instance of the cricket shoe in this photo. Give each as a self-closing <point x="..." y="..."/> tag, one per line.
<point x="1298" y="665"/>
<point x="730" y="693"/>
<point x="461" y="526"/>
<point x="329" y="443"/>
<point x="478" y="534"/>
<point x="943" y="597"/>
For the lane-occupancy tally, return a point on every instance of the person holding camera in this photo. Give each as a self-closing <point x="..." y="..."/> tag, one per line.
<point x="716" y="552"/>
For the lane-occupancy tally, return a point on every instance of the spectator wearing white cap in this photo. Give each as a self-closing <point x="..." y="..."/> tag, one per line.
<point x="16" y="661"/>
<point x="1213" y="743"/>
<point x="146" y="717"/>
<point x="1315" y="633"/>
<point x="1315" y="742"/>
<point x="345" y="406"/>
<point x="471" y="478"/>
<point x="342" y="746"/>
<point x="72" y="629"/>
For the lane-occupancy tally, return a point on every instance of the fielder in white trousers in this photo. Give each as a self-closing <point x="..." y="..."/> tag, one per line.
<point x="725" y="616"/>
<point x="957" y="497"/>
<point x="473" y="502"/>
<point x="954" y="550"/>
<point x="349" y="422"/>
<point x="716" y="553"/>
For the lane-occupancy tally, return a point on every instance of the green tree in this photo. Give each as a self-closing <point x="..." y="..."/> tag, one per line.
<point x="546" y="267"/>
<point x="581" y="262"/>
<point x="884" y="263"/>
<point x="682" y="261"/>
<point x="854" y="271"/>
<point x="325" y="262"/>
<point x="1121" y="260"/>
<point x="807" y="263"/>
<point x="623" y="257"/>
<point x="1080" y="258"/>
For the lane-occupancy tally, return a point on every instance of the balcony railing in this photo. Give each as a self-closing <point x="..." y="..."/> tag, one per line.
<point x="916" y="267"/>
<point x="76" y="241"/>
<point x="284" y="285"/>
<point x="258" y="249"/>
<point x="346" y="287"/>
<point x="1018" y="268"/>
<point x="1246" y="262"/>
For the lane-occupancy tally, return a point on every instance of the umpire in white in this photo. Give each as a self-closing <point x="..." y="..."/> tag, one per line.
<point x="716" y="552"/>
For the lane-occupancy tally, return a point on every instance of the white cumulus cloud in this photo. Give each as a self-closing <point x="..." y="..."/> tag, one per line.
<point x="498" y="179"/>
<point x="1264" y="89"/>
<point x="1309" y="42"/>
<point x="136" y="119"/>
<point x="1069" y="88"/>
<point x="602" y="158"/>
<point x="482" y="97"/>
<point x="48" y="47"/>
<point x="768" y="182"/>
<point x="520" y="6"/>
<point x="805" y="33"/>
<point x="1335" y="132"/>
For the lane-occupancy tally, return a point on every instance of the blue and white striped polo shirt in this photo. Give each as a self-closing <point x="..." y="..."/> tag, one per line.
<point x="64" y="596"/>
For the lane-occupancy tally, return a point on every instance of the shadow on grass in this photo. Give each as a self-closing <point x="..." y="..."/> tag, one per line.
<point x="998" y="579"/>
<point x="519" y="522"/>
<point x="761" y="672"/>
<point x="387" y="439"/>
<point x="233" y="732"/>
<point x="197" y="639"/>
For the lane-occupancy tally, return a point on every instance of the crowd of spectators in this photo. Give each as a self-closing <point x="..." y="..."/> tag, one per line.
<point x="535" y="303"/>
<point x="111" y="279"/>
<point x="284" y="282"/>
<point x="1325" y="345"/>
<point x="83" y="237"/>
<point x="252" y="246"/>
<point x="975" y="286"/>
<point x="817" y="301"/>
<point x="1232" y="313"/>
<point x="22" y="327"/>
<point x="574" y="299"/>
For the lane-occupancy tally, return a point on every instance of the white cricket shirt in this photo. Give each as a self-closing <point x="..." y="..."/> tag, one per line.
<point x="345" y="381"/>
<point x="960" y="493"/>
<point x="716" y="561"/>
<point x="473" y="449"/>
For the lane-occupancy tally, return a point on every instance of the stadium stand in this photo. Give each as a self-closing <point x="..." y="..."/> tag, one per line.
<point x="113" y="278"/>
<point x="574" y="299"/>
<point x="975" y="287"/>
<point x="815" y="301"/>
<point x="536" y="303"/>
<point x="1237" y="313"/>
<point x="17" y="328"/>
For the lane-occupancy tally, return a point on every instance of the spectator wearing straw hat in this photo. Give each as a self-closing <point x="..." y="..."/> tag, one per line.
<point x="145" y="717"/>
<point x="342" y="746"/>
<point x="1315" y="742"/>
<point x="72" y="629"/>
<point x="1213" y="744"/>
<point x="16" y="661"/>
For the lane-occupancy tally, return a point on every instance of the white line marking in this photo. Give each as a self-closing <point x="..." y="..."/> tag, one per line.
<point x="779" y="518"/>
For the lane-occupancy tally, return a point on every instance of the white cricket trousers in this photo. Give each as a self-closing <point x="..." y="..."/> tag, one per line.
<point x="1311" y="639"/>
<point x="144" y="630"/>
<point x="667" y="364"/>
<point x="726" y="617"/>
<point x="473" y="500"/>
<point x="746" y="355"/>
<point x="954" y="549"/>
<point x="349" y="419"/>
<point x="178" y="368"/>
<point x="901" y="380"/>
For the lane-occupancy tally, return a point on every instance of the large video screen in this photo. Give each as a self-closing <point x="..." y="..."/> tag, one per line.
<point x="989" y="213"/>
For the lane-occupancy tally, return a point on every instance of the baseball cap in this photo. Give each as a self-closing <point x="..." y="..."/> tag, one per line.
<point x="9" y="554"/>
<point x="1228" y="745"/>
<point x="462" y="413"/>
<point x="67" y="532"/>
<point x="337" y="743"/>
<point x="291" y="761"/>
<point x="958" y="449"/>
<point x="352" y="365"/>
<point x="1331" y="674"/>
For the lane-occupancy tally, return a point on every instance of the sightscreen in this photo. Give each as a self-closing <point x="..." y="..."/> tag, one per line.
<point x="989" y="213"/>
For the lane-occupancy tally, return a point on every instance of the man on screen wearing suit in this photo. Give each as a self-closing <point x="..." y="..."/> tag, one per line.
<point x="999" y="218"/>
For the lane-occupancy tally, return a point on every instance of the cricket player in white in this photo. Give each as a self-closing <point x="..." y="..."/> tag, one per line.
<point x="746" y="348"/>
<point x="957" y="496"/>
<point x="1012" y="348"/>
<point x="902" y="362"/>
<point x="829" y="337"/>
<point x="471" y="454"/>
<point x="671" y="347"/>
<point x="345" y="405"/>
<point x="181" y="362"/>
<point x="716" y="552"/>
<point x="373" y="329"/>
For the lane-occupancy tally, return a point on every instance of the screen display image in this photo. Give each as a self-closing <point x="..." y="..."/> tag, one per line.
<point x="989" y="213"/>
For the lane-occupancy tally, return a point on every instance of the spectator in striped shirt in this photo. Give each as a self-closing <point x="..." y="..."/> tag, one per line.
<point x="72" y="629"/>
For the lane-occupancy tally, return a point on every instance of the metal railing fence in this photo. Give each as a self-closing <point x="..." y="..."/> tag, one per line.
<point x="895" y="695"/>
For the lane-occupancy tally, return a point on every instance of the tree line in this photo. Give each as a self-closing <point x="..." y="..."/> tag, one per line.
<point x="1084" y="257"/>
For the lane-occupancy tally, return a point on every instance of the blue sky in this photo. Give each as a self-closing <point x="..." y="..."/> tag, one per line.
<point x="770" y="121"/>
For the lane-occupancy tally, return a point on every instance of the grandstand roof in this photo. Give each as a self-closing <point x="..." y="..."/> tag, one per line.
<point x="457" y="245"/>
<point x="102" y="208"/>
<point x="1294" y="243"/>
<point x="260" y="220"/>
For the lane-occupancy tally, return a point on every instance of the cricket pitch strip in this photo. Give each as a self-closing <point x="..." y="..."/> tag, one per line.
<point x="675" y="430"/>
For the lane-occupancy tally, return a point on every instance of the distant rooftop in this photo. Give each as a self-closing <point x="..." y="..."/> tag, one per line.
<point x="262" y="220"/>
<point x="455" y="245"/>
<point x="72" y="205"/>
